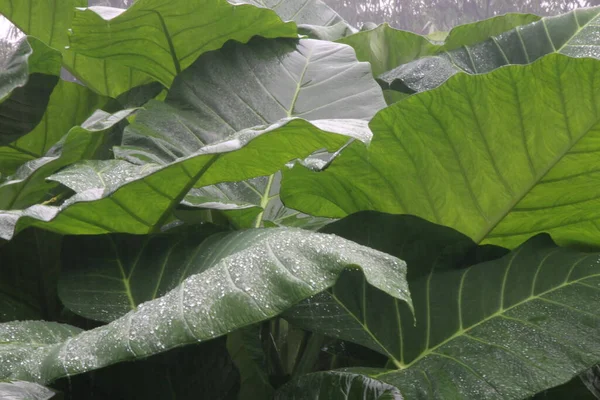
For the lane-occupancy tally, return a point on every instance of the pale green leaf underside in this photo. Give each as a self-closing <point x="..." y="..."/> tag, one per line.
<point x="116" y="206"/>
<point x="575" y="34"/>
<point x="499" y="157"/>
<point x="274" y="269"/>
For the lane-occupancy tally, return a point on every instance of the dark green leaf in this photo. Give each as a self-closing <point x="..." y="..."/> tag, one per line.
<point x="506" y="328"/>
<point x="266" y="271"/>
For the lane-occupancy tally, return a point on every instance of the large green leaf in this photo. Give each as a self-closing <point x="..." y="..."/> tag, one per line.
<point x="70" y="105"/>
<point x="161" y="39"/>
<point x="386" y="48"/>
<point x="28" y="186"/>
<point x="117" y="208"/>
<point x="49" y="22"/>
<point x="263" y="82"/>
<point x="499" y="157"/>
<point x="27" y="78"/>
<point x="502" y="329"/>
<point x="265" y="272"/>
<point x="336" y="385"/>
<point x="576" y="34"/>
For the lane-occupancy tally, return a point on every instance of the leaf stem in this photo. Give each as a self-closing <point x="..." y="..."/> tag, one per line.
<point x="264" y="201"/>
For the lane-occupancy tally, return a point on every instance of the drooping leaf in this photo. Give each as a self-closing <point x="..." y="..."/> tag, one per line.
<point x="255" y="84"/>
<point x="116" y="206"/>
<point x="28" y="186"/>
<point x="506" y="328"/>
<point x="499" y="157"/>
<point x="269" y="271"/>
<point x="161" y="39"/>
<point x="20" y="390"/>
<point x="70" y="104"/>
<point x="28" y="277"/>
<point x="27" y="78"/>
<point x="575" y="34"/>
<point x="387" y="48"/>
<point x="336" y="385"/>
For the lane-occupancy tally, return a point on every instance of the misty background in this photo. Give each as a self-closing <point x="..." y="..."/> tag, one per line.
<point x="420" y="16"/>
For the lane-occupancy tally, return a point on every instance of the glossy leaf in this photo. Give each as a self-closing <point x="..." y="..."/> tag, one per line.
<point x="255" y="84"/>
<point x="70" y="104"/>
<point x="161" y="39"/>
<point x="506" y="328"/>
<point x="266" y="272"/>
<point x="468" y="155"/>
<point x="575" y="34"/>
<point x="28" y="186"/>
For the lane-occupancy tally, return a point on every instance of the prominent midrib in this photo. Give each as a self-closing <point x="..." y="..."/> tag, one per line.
<point x="498" y="313"/>
<point x="503" y="213"/>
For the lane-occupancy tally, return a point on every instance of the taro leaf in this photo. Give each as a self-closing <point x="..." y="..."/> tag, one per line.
<point x="386" y="48"/>
<point x="20" y="390"/>
<point x="506" y="328"/>
<point x="576" y="34"/>
<point x="337" y="385"/>
<point x="499" y="157"/>
<point x="49" y="22"/>
<point x="314" y="18"/>
<point x="104" y="277"/>
<point x="248" y="85"/>
<point x="28" y="186"/>
<point x="269" y="271"/>
<point x="28" y="277"/>
<point x="574" y="389"/>
<point x="161" y="38"/>
<point x="27" y="78"/>
<point x="591" y="379"/>
<point x="70" y="105"/>
<point x="144" y="202"/>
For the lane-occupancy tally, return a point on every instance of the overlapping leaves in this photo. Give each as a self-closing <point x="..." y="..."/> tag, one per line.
<point x="500" y="157"/>
<point x="505" y="328"/>
<point x="260" y="274"/>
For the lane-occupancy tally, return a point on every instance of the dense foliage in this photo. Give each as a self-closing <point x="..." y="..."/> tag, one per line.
<point x="253" y="200"/>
